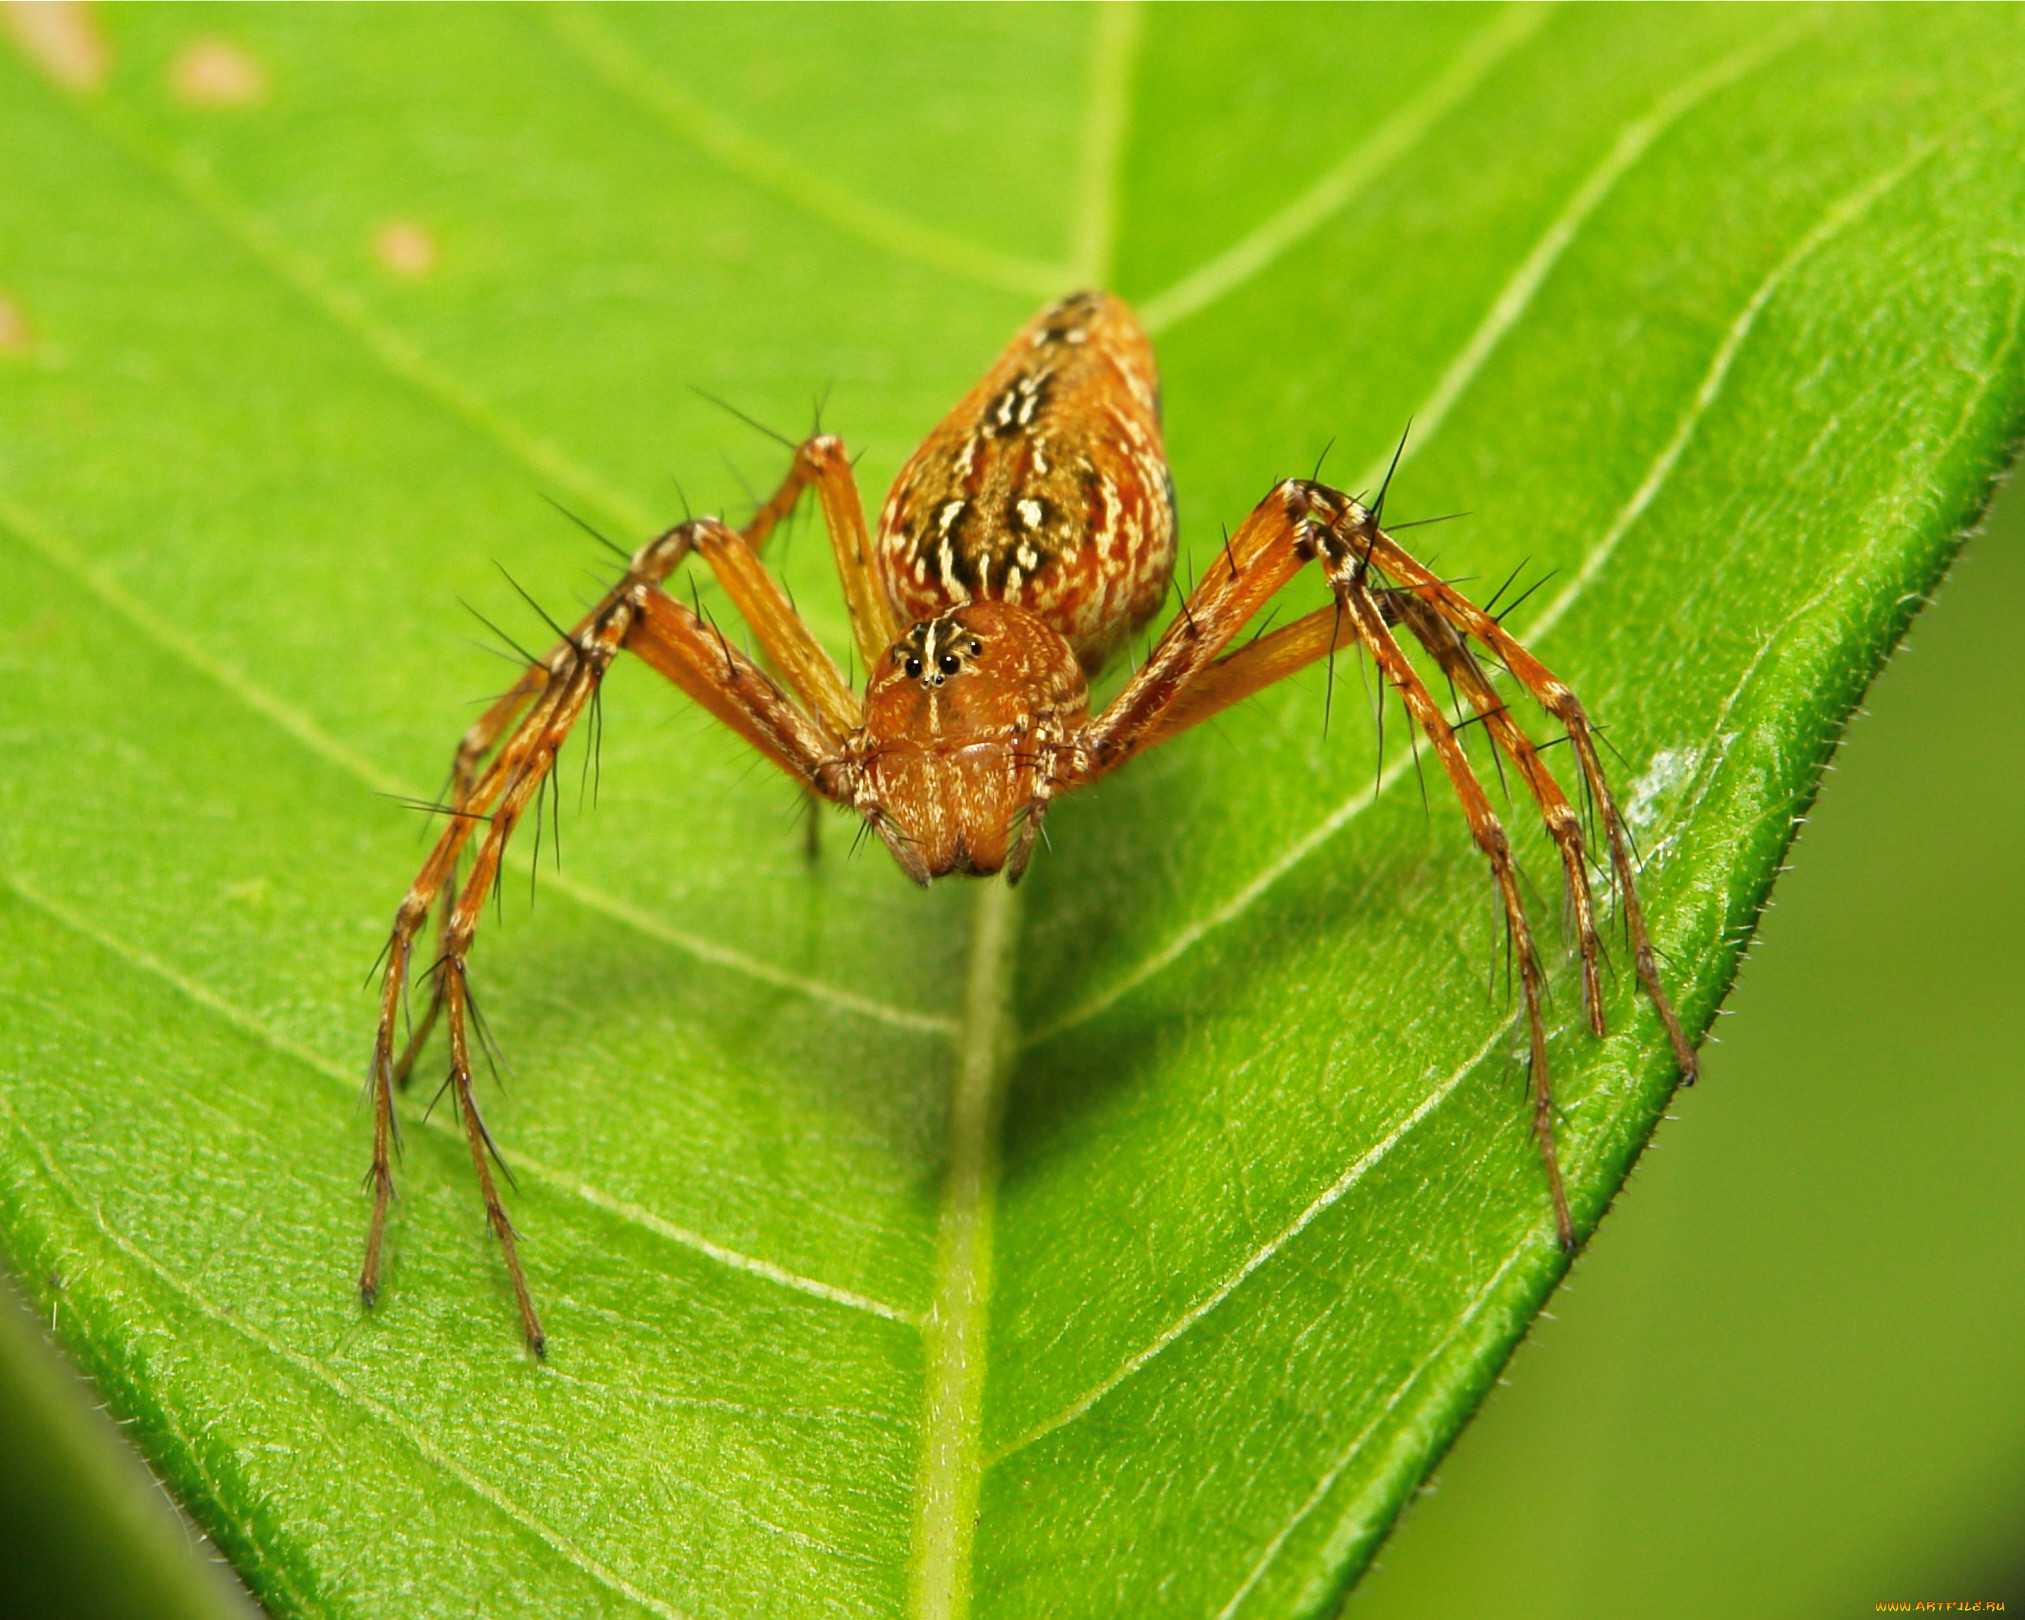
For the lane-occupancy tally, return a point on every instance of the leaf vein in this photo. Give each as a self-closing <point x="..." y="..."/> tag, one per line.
<point x="955" y="1332"/>
<point x="521" y="1163"/>
<point x="1356" y="1172"/>
<point x="625" y="71"/>
<point x="304" y="276"/>
<point x="1840" y="215"/>
<point x="1114" y="49"/>
<point x="1363" y="163"/>
<point x="1335" y="1470"/>
<point x="413" y="1434"/>
<point x="1633" y="141"/>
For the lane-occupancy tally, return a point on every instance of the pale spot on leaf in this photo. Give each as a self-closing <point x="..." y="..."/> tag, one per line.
<point x="1669" y="769"/>
<point x="16" y="336"/>
<point x="216" y="73"/>
<point x="405" y="249"/>
<point x="62" y="38"/>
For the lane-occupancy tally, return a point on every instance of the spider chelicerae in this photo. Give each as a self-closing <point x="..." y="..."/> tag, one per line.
<point x="1022" y="545"/>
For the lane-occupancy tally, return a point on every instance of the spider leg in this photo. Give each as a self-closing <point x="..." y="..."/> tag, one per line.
<point x="496" y="795"/>
<point x="651" y="564"/>
<point x="802" y="660"/>
<point x="733" y="557"/>
<point x="519" y="775"/>
<point x="437" y="877"/>
<point x="1216" y="685"/>
<point x="1040" y="753"/>
<point x="1270" y="547"/>
<point x="1348" y="577"/>
<point x="505" y="788"/>
<point x="1448" y="649"/>
<point x="685" y="647"/>
<point x="823" y="462"/>
<point x="820" y="460"/>
<point x="690" y="651"/>
<point x="1187" y="678"/>
<point x="499" y="758"/>
<point x="1266" y="659"/>
<point x="1553" y="695"/>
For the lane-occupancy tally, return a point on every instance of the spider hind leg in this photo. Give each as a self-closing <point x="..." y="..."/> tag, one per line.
<point x="1377" y="587"/>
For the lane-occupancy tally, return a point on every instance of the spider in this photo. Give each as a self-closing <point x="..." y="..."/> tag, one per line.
<point x="1023" y="543"/>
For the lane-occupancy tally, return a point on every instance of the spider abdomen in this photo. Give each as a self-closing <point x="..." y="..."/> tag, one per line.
<point x="1046" y="487"/>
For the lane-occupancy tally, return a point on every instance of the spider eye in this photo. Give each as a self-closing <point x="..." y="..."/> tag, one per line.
<point x="949" y="663"/>
<point x="976" y="647"/>
<point x="913" y="666"/>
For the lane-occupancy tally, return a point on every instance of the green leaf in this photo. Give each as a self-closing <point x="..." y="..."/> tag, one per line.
<point x="1715" y="313"/>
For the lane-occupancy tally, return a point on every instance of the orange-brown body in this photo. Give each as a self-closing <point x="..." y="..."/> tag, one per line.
<point x="1036" y="525"/>
<point x="1027" y="538"/>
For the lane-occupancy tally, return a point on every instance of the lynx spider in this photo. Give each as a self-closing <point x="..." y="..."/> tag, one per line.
<point x="1023" y="543"/>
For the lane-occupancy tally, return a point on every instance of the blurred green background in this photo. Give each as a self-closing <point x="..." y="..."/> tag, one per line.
<point x="1785" y="1380"/>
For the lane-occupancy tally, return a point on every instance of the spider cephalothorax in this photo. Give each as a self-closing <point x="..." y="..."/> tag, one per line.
<point x="955" y="762"/>
<point x="1023" y="543"/>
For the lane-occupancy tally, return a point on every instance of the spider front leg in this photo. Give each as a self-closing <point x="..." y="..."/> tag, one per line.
<point x="1349" y="579"/>
<point x="822" y="461"/>
<point x="733" y="555"/>
<point x="1553" y="695"/>
<point x="1445" y="644"/>
<point x="1185" y="680"/>
<point x="549" y="701"/>
<point x="502" y="720"/>
<point x="536" y="711"/>
<point x="435" y="884"/>
<point x="497" y="799"/>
